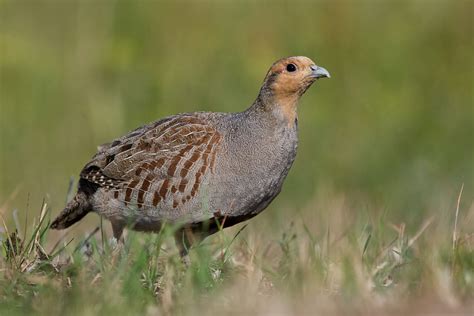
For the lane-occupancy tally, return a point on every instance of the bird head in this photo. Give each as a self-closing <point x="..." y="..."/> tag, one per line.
<point x="286" y="81"/>
<point x="293" y="75"/>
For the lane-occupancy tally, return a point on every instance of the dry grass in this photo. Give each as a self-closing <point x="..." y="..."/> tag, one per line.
<point x="330" y="259"/>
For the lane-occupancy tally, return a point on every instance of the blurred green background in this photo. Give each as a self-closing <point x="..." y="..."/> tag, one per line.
<point x="393" y="127"/>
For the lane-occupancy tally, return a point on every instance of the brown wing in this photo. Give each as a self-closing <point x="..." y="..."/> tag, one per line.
<point x="167" y="159"/>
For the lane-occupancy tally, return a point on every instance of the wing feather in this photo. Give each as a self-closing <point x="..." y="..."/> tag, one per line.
<point x="166" y="159"/>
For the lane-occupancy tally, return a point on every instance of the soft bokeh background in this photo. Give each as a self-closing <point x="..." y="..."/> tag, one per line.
<point x="394" y="126"/>
<point x="385" y="144"/>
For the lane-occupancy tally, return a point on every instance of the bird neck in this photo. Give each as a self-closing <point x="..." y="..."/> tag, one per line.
<point x="282" y="107"/>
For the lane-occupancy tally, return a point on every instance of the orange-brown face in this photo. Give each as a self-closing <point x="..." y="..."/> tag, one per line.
<point x="293" y="75"/>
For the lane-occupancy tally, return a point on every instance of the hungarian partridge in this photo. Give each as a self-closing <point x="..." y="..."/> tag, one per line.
<point x="202" y="170"/>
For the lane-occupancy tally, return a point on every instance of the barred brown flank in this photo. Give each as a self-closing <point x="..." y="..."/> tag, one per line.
<point x="144" y="188"/>
<point x="182" y="185"/>
<point x="213" y="153"/>
<point x="139" y="170"/>
<point x="156" y="198"/>
<point x="159" y="163"/>
<point x="164" y="188"/>
<point x="128" y="192"/>
<point x="177" y="134"/>
<point x="176" y="160"/>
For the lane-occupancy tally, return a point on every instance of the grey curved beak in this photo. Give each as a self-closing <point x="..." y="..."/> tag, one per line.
<point x="319" y="72"/>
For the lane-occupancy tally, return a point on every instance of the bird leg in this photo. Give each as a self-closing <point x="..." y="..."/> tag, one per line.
<point x="117" y="242"/>
<point x="184" y="240"/>
<point x="117" y="229"/>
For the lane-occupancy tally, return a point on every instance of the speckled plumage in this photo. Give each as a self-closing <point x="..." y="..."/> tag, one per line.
<point x="198" y="167"/>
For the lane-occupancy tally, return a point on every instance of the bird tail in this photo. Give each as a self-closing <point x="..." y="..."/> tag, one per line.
<point x="74" y="211"/>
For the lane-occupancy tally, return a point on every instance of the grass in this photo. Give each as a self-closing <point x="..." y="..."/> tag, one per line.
<point x="370" y="220"/>
<point x="351" y="264"/>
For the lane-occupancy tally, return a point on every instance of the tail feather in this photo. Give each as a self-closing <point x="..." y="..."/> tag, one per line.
<point x="74" y="211"/>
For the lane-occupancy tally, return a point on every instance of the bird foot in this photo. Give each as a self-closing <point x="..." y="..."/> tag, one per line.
<point x="117" y="247"/>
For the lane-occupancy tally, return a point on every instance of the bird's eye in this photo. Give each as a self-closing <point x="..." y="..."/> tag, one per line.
<point x="290" y="67"/>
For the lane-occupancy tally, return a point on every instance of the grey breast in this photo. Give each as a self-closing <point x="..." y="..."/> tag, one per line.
<point x="256" y="155"/>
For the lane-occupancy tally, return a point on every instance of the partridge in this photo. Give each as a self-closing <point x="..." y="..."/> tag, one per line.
<point x="201" y="171"/>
